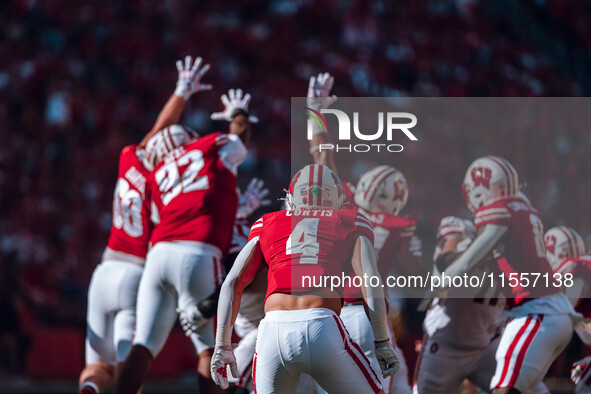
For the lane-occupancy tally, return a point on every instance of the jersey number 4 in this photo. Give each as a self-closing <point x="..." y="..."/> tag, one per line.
<point x="304" y="240"/>
<point x="171" y="183"/>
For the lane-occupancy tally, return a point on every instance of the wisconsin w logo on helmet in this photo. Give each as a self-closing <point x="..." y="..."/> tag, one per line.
<point x="488" y="179"/>
<point x="481" y="176"/>
<point x="550" y="242"/>
<point x="382" y="189"/>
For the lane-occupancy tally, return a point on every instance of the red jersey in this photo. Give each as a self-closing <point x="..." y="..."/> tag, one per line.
<point x="131" y="229"/>
<point x="524" y="250"/>
<point x="303" y="246"/>
<point x="194" y="190"/>
<point x="391" y="232"/>
<point x="580" y="268"/>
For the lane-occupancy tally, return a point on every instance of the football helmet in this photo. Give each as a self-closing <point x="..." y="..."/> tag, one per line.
<point x="382" y="189"/>
<point x="164" y="142"/>
<point x="315" y="186"/>
<point x="562" y="243"/>
<point x="488" y="179"/>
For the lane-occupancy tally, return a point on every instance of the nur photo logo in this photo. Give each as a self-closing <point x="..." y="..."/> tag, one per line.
<point x="389" y="124"/>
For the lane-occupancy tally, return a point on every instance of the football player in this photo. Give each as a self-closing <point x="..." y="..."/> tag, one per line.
<point x="565" y="250"/>
<point x="462" y="335"/>
<point x="301" y="331"/>
<point x="381" y="194"/>
<point x="540" y="325"/>
<point x="113" y="288"/>
<point x="252" y="306"/>
<point x="194" y="192"/>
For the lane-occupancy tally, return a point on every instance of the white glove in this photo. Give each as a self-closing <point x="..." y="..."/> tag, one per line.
<point x="387" y="358"/>
<point x="253" y="198"/>
<point x="319" y="90"/>
<point x="191" y="319"/>
<point x="189" y="81"/>
<point x="578" y="368"/>
<point x="415" y="246"/>
<point x="223" y="355"/>
<point x="232" y="102"/>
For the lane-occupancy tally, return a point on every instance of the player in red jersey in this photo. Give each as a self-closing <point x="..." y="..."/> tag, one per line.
<point x="193" y="317"/>
<point x="194" y="194"/>
<point x="381" y="194"/>
<point x="301" y="331"/>
<point x="540" y="325"/>
<point x="113" y="289"/>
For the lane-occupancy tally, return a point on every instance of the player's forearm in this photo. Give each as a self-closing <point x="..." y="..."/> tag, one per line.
<point x="240" y="126"/>
<point x="478" y="250"/>
<point x="170" y="114"/>
<point x="324" y="156"/>
<point x="364" y="263"/>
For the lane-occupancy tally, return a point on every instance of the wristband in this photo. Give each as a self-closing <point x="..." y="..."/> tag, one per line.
<point x="314" y="149"/>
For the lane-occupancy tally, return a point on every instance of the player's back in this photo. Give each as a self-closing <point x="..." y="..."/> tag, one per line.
<point x="523" y="250"/>
<point x="303" y="246"/>
<point x="194" y="191"/>
<point x="131" y="227"/>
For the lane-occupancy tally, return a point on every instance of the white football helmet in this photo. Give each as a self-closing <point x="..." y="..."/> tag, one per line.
<point x="164" y="142"/>
<point x="562" y="243"/>
<point x="382" y="189"/>
<point x="488" y="179"/>
<point x="315" y="186"/>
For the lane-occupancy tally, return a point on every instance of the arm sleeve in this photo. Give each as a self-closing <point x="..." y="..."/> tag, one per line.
<point x="478" y="250"/>
<point x="233" y="152"/>
<point x="242" y="273"/>
<point x="374" y="295"/>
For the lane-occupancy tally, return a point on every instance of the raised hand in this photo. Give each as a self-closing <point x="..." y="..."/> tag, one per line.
<point x="190" y="75"/>
<point x="319" y="91"/>
<point x="234" y="101"/>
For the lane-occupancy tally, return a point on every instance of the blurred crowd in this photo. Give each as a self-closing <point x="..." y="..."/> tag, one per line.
<point x="80" y="80"/>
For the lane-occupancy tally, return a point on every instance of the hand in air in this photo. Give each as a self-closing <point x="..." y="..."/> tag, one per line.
<point x="319" y="92"/>
<point x="190" y="74"/>
<point x="233" y="102"/>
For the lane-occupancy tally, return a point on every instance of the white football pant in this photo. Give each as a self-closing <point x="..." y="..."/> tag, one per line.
<point x="312" y="341"/>
<point x="111" y="311"/>
<point x="177" y="274"/>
